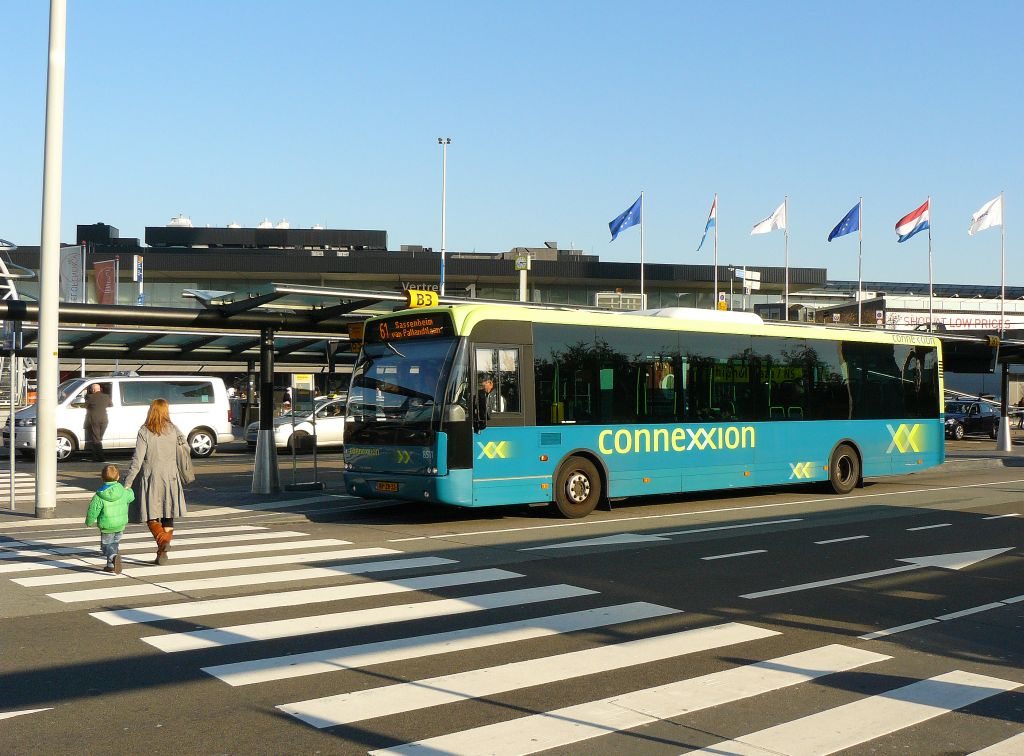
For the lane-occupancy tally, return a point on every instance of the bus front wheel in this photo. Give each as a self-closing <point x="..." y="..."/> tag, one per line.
<point x="844" y="469"/>
<point x="578" y="488"/>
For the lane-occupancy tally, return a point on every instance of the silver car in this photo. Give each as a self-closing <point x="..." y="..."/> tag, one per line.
<point x="296" y="431"/>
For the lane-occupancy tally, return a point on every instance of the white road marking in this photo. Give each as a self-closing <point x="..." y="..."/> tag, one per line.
<point x="869" y="718"/>
<point x="208" y="607"/>
<point x="999" y="517"/>
<point x="416" y="647"/>
<point x="841" y="540"/>
<point x="763" y="523"/>
<point x="36" y="523"/>
<point x="941" y="618"/>
<point x="9" y="714"/>
<point x="929" y="527"/>
<point x="142" y="536"/>
<point x="735" y="554"/>
<point x="228" y="581"/>
<point x="611" y="540"/>
<point x="421" y="694"/>
<point x="289" y="628"/>
<point x="256" y="548"/>
<point x="227" y="564"/>
<point x="898" y="629"/>
<point x="143" y="545"/>
<point x="643" y="538"/>
<point x="747" y="508"/>
<point x="957" y="561"/>
<point x="1010" y="747"/>
<point x="114" y="592"/>
<point x="574" y="724"/>
<point x="264" y="505"/>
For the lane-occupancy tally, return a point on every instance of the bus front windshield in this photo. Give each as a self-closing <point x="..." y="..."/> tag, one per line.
<point x="398" y="387"/>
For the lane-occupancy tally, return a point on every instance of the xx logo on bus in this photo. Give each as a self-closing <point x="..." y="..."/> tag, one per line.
<point x="494" y="450"/>
<point x="403" y="456"/>
<point x="905" y="438"/>
<point x="801" y="470"/>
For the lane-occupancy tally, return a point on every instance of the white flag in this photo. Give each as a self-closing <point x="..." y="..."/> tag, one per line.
<point x="773" y="222"/>
<point x="990" y="214"/>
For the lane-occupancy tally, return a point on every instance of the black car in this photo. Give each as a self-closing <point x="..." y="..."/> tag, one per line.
<point x="971" y="417"/>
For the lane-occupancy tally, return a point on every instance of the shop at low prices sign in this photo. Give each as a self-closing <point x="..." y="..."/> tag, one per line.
<point x="415" y="298"/>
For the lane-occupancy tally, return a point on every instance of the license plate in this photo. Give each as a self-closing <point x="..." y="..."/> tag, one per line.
<point x="387" y="486"/>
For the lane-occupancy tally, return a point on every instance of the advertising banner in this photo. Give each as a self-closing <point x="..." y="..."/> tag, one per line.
<point x="71" y="274"/>
<point x="105" y="273"/>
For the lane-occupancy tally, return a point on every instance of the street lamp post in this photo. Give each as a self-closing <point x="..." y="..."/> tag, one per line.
<point x="444" y="142"/>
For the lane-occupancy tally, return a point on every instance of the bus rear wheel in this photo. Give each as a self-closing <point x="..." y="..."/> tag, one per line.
<point x="577" y="488"/>
<point x="844" y="469"/>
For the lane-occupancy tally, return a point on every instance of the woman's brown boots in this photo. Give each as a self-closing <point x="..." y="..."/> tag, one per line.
<point x="163" y="540"/>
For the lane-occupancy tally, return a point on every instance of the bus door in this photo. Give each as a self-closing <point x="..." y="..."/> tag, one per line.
<point x="506" y="468"/>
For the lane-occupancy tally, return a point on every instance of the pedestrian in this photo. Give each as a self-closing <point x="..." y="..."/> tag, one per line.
<point x="156" y="476"/>
<point x="96" y="404"/>
<point x="109" y="511"/>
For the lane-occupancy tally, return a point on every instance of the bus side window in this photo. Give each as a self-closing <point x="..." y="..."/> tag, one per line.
<point x="497" y="380"/>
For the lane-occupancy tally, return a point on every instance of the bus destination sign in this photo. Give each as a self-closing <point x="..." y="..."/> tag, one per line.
<point x="413" y="326"/>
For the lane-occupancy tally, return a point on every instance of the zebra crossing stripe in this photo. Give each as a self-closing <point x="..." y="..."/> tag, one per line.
<point x="228" y="581"/>
<point x="10" y="714"/>
<point x="306" y="573"/>
<point x="112" y="592"/>
<point x="186" y="543"/>
<point x="324" y="623"/>
<point x="226" y="564"/>
<point x="416" y="647"/>
<point x="256" y="548"/>
<point x="869" y="718"/>
<point x="574" y="724"/>
<point x="140" y="536"/>
<point x="420" y="694"/>
<point x="1010" y="747"/>
<point x="209" y="607"/>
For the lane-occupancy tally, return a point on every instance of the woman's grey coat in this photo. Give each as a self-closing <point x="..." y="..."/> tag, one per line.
<point x="153" y="476"/>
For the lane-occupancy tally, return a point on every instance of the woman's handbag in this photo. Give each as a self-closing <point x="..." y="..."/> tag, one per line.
<point x="185" y="471"/>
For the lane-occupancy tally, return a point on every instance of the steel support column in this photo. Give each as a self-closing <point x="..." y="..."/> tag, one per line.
<point x="266" y="477"/>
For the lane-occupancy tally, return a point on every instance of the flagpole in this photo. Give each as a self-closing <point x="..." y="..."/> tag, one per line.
<point x="714" y="302"/>
<point x="785" y="201"/>
<point x="930" y="287"/>
<point x="860" y="259"/>
<point x="643" y="300"/>
<point x="1002" y="266"/>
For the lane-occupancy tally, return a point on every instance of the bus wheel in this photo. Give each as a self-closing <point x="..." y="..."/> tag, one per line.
<point x="843" y="469"/>
<point x="578" y="488"/>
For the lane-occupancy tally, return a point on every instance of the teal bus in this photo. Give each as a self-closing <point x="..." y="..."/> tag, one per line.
<point x="487" y="404"/>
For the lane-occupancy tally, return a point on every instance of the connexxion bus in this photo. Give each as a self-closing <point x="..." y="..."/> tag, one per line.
<point x="479" y="405"/>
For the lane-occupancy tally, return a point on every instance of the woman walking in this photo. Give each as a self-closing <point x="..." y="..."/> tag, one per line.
<point x="155" y="478"/>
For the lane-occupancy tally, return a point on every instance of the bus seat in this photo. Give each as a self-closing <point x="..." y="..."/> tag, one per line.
<point x="776" y="413"/>
<point x="796" y="413"/>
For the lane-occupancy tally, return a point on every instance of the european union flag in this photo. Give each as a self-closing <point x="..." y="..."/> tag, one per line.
<point x="849" y="223"/>
<point x="629" y="218"/>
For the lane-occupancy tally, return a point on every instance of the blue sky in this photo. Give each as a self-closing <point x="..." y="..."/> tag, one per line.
<point x="559" y="112"/>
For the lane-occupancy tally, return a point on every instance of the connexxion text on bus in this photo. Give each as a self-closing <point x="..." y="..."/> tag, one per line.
<point x="484" y="404"/>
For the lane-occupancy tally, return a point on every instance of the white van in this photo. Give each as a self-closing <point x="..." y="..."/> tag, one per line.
<point x="199" y="407"/>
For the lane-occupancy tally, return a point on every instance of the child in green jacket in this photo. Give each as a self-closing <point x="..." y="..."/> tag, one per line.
<point x="109" y="509"/>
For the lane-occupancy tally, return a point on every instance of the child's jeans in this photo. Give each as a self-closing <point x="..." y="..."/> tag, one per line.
<point x="109" y="543"/>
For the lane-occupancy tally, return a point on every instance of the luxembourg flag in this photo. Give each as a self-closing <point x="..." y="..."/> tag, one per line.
<point x="913" y="222"/>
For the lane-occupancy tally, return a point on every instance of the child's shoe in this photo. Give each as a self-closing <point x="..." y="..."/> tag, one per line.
<point x="117" y="564"/>
<point x="108" y="568"/>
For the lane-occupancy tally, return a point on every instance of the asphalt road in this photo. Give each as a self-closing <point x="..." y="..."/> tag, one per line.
<point x="887" y="621"/>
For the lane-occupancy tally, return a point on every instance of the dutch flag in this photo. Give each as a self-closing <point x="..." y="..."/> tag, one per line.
<point x="913" y="222"/>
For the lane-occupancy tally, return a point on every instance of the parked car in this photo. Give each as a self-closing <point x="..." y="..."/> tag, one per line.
<point x="199" y="407"/>
<point x="298" y="431"/>
<point x="964" y="418"/>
